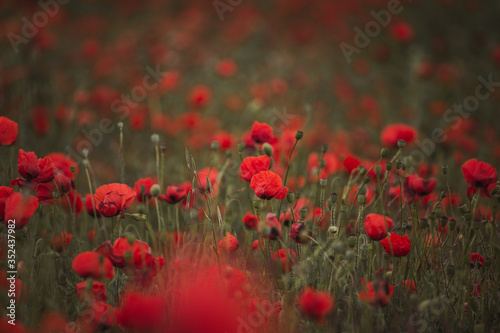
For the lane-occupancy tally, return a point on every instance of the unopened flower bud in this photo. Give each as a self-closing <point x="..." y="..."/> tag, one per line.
<point x="299" y="135"/>
<point x="361" y="199"/>
<point x="155" y="190"/>
<point x="214" y="145"/>
<point x="388" y="166"/>
<point x="401" y="143"/>
<point x="349" y="255"/>
<point x="338" y="246"/>
<point x="423" y="223"/>
<point x="351" y="241"/>
<point x="333" y="198"/>
<point x="463" y="208"/>
<point x="130" y="238"/>
<point x="322" y="163"/>
<point x="155" y="138"/>
<point x="452" y="223"/>
<point x="120" y="125"/>
<point x="384" y="152"/>
<point x="324" y="148"/>
<point x="445" y="169"/>
<point x="303" y="213"/>
<point x="399" y="164"/>
<point x="268" y="149"/>
<point x="443" y="221"/>
<point x="378" y="169"/>
<point x="241" y="147"/>
<point x="290" y="197"/>
<point x="323" y="182"/>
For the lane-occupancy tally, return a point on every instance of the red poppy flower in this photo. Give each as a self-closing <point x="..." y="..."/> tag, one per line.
<point x="96" y="292"/>
<point x="5" y="193"/>
<point x="315" y="304"/>
<point x="261" y="132"/>
<point x="416" y="187"/>
<point x="226" y="68"/>
<point x="476" y="258"/>
<point x="47" y="192"/>
<point x="270" y="228"/>
<point x="20" y="208"/>
<point x="143" y="188"/>
<point x="138" y="253"/>
<point x="252" y="165"/>
<point x="88" y="205"/>
<point x="479" y="174"/>
<point x="60" y="242"/>
<point x="98" y="316"/>
<point x="250" y="221"/>
<point x="299" y="233"/>
<point x="94" y="265"/>
<point x="175" y="194"/>
<point x="39" y="170"/>
<point x="268" y="185"/>
<point x="287" y="259"/>
<point x="256" y="244"/>
<point x="210" y="174"/>
<point x="379" y="292"/>
<point x="228" y="244"/>
<point x="54" y="322"/>
<point x="8" y="131"/>
<point x="402" y="32"/>
<point x="377" y="226"/>
<point x="332" y="165"/>
<point x="391" y="134"/>
<point x="144" y="313"/>
<point x="63" y="164"/>
<point x="396" y="245"/>
<point x="200" y="96"/>
<point x="409" y="286"/>
<point x="113" y="199"/>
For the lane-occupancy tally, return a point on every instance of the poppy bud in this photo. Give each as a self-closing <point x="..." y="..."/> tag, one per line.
<point x="303" y="213"/>
<point x="423" y="223"/>
<point x="268" y="149"/>
<point x="323" y="182"/>
<point x="333" y="198"/>
<point x="362" y="170"/>
<point x="299" y="135"/>
<point x="322" y="163"/>
<point x="384" y="152"/>
<point x="444" y="221"/>
<point x="130" y="239"/>
<point x="241" y="147"/>
<point x="155" y="138"/>
<point x="141" y="208"/>
<point x="324" y="148"/>
<point x="214" y="145"/>
<point x="401" y="144"/>
<point x="155" y="190"/>
<point x="445" y="169"/>
<point x="378" y="169"/>
<point x="463" y="208"/>
<point x="351" y="241"/>
<point x="120" y="125"/>
<point x="332" y="231"/>
<point x="388" y="166"/>
<point x="256" y="204"/>
<point x="163" y="147"/>
<point x="452" y="223"/>
<point x="349" y="254"/>
<point x="290" y="197"/>
<point x="399" y="164"/>
<point x="361" y="199"/>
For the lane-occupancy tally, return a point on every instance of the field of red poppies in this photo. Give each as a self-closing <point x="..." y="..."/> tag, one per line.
<point x="234" y="166"/>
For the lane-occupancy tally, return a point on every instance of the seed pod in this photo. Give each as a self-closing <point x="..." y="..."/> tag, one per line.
<point x="401" y="143"/>
<point x="351" y="241"/>
<point x="384" y="152"/>
<point x="299" y="135"/>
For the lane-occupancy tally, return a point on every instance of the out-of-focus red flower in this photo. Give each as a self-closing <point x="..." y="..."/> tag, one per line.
<point x="88" y="206"/>
<point x="143" y="188"/>
<point x="138" y="253"/>
<point x="19" y="208"/>
<point x="5" y="326"/>
<point x="286" y="258"/>
<point x="144" y="313"/>
<point x="252" y="165"/>
<point x="226" y="68"/>
<point x="332" y="165"/>
<point x="8" y="131"/>
<point x="63" y="164"/>
<point x="175" y="193"/>
<point x="40" y="119"/>
<point x="476" y="258"/>
<point x="96" y="292"/>
<point x="200" y="96"/>
<point x="396" y="245"/>
<point x="256" y="245"/>
<point x="54" y="322"/>
<point x="377" y="226"/>
<point x="391" y="134"/>
<point x="91" y="236"/>
<point x="225" y="140"/>
<point x="270" y="228"/>
<point x="268" y="185"/>
<point x="250" y="221"/>
<point x="49" y="191"/>
<point x="228" y="244"/>
<point x="479" y="175"/>
<point x="315" y="304"/>
<point x="210" y="174"/>
<point x="379" y="292"/>
<point x="416" y="187"/>
<point x="94" y="265"/>
<point x="5" y="193"/>
<point x="113" y="199"/>
<point x="402" y="32"/>
<point x="60" y="242"/>
<point x="98" y="316"/>
<point x="261" y="132"/>
<point x="409" y="286"/>
<point x="299" y="233"/>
